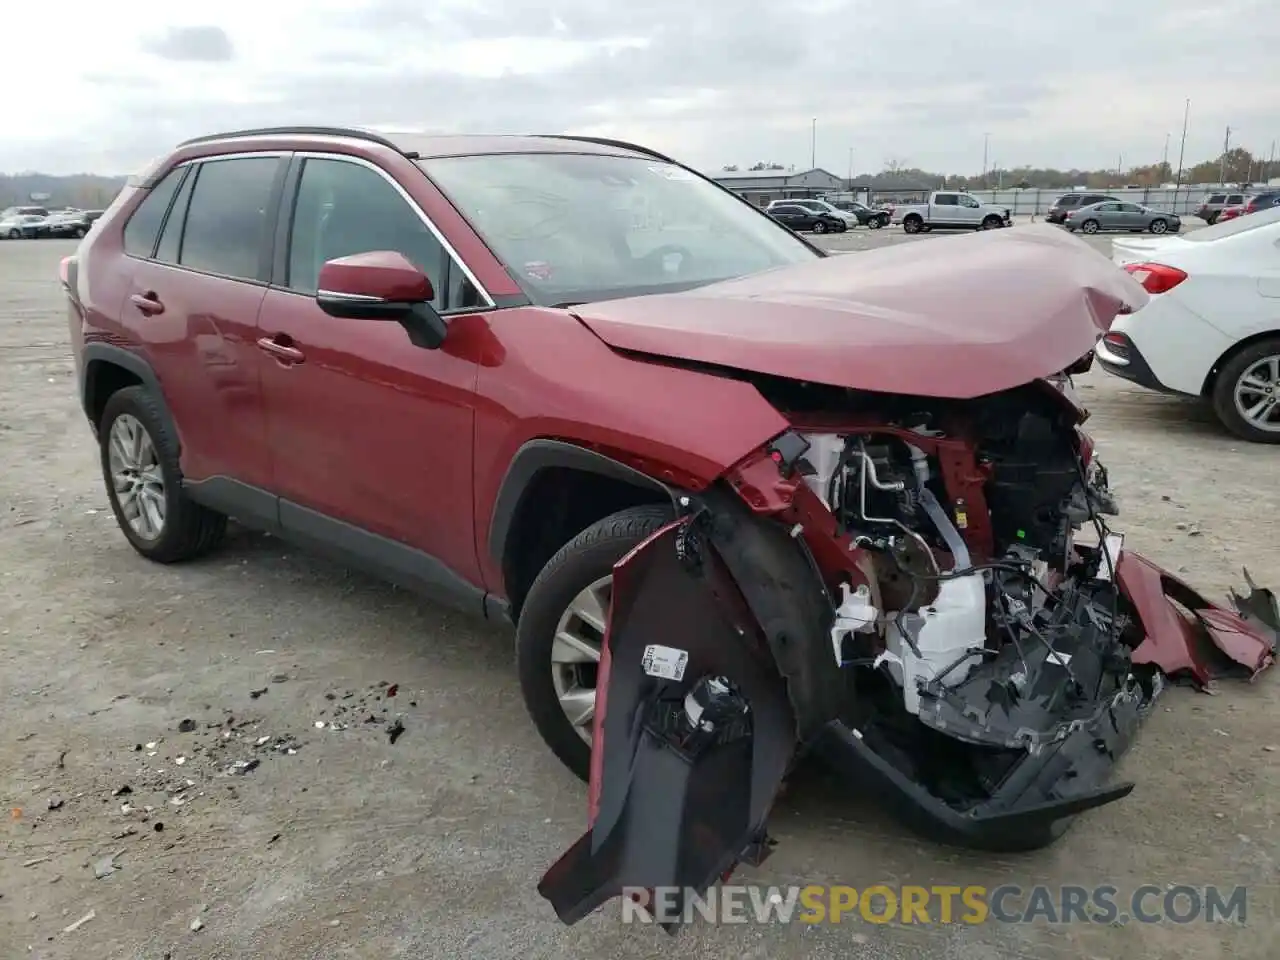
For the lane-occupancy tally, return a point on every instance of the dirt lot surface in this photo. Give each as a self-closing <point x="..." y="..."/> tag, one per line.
<point x="342" y="844"/>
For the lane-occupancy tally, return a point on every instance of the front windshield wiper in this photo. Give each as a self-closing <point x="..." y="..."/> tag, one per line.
<point x="567" y="304"/>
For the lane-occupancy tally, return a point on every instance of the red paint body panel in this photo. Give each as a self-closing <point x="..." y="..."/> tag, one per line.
<point x="550" y="378"/>
<point x="1001" y="309"/>
<point x="1202" y="649"/>
<point x="382" y="273"/>
<point x="372" y="430"/>
<point x="203" y="350"/>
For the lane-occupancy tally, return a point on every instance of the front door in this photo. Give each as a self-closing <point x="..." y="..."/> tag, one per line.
<point x="371" y="437"/>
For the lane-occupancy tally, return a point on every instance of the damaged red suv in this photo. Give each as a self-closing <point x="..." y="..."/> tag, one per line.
<point x="743" y="502"/>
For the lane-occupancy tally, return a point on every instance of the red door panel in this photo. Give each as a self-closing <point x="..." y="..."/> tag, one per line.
<point x="369" y="429"/>
<point x="200" y="334"/>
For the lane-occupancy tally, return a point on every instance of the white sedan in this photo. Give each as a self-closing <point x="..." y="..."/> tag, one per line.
<point x="1212" y="326"/>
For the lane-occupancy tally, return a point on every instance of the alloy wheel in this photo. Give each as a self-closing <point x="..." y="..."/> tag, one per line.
<point x="1090" y="226"/>
<point x="575" y="654"/>
<point x="1159" y="226"/>
<point x="1257" y="394"/>
<point x="136" y="476"/>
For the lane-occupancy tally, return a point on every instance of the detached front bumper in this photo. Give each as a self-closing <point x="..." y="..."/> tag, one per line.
<point x="707" y="697"/>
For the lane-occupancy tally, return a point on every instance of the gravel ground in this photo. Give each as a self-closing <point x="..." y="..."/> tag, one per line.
<point x="129" y="692"/>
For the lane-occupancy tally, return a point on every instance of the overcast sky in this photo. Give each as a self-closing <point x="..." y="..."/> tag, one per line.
<point x="88" y="87"/>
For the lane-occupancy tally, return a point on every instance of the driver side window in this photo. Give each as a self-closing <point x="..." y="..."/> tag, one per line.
<point x="969" y="202"/>
<point x="344" y="208"/>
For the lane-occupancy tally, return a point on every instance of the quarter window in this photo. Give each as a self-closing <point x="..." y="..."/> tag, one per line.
<point x="171" y="235"/>
<point x="227" y="216"/>
<point x="144" y="226"/>
<point x="345" y="208"/>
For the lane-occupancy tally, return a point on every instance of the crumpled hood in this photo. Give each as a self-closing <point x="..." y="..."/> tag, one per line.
<point x="957" y="317"/>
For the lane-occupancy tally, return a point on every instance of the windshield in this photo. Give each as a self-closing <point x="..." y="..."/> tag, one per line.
<point x="578" y="227"/>
<point x="1229" y="228"/>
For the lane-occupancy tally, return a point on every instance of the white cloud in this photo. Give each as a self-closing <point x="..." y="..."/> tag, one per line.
<point x="712" y="82"/>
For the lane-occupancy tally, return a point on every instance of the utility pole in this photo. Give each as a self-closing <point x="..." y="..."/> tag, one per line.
<point x="851" y="168"/>
<point x="813" y="145"/>
<point x="1222" y="168"/>
<point x="986" y="143"/>
<point x="1164" y="163"/>
<point x="1270" y="163"/>
<point x="1182" y="150"/>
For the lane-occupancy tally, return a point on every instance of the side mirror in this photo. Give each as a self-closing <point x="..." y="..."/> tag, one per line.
<point x="382" y="285"/>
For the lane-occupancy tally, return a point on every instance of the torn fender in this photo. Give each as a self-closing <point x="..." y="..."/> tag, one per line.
<point x="693" y="732"/>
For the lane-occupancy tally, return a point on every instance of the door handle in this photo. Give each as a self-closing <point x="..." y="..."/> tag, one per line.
<point x="147" y="303"/>
<point x="283" y="352"/>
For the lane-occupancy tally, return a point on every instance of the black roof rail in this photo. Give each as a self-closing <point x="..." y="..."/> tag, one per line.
<point x="620" y="144"/>
<point x="296" y="131"/>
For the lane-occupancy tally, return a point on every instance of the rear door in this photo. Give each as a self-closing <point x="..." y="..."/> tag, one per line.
<point x="371" y="436"/>
<point x="1107" y="215"/>
<point x="193" y="300"/>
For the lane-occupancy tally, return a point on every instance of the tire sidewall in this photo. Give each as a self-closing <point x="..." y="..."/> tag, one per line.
<point x="569" y="572"/>
<point x="1224" y="403"/>
<point x="137" y="403"/>
<point x="1085" y="227"/>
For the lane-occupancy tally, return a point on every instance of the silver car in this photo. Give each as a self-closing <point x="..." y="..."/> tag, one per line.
<point x="1121" y="216"/>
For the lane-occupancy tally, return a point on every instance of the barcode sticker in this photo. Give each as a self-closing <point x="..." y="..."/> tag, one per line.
<point x="665" y="662"/>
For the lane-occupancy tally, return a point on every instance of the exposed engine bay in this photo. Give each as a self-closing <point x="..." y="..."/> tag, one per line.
<point x="924" y="593"/>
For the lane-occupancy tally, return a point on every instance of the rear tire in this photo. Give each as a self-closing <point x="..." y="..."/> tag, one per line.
<point x="585" y="560"/>
<point x="913" y="224"/>
<point x="1224" y="392"/>
<point x="185" y="530"/>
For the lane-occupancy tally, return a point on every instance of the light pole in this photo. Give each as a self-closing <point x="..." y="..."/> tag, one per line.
<point x="1182" y="151"/>
<point x="813" y="145"/>
<point x="1222" y="168"/>
<point x="986" y="144"/>
<point x="1164" y="164"/>
<point x="851" y="168"/>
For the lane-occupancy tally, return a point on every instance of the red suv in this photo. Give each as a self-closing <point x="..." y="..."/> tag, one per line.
<point x="742" y="501"/>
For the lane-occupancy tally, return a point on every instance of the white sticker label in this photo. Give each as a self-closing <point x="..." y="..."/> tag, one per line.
<point x="1062" y="658"/>
<point x="665" y="662"/>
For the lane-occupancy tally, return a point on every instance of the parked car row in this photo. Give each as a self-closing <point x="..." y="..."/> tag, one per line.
<point x="34" y="223"/>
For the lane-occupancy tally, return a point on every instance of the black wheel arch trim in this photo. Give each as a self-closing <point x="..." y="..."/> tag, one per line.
<point x="95" y="353"/>
<point x="538" y="455"/>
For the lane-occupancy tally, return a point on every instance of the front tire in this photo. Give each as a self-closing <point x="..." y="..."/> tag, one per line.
<point x="875" y="223"/>
<point x="1246" y="393"/>
<point x="144" y="485"/>
<point x="819" y="227"/>
<point x="561" y="629"/>
<point x="1158" y="226"/>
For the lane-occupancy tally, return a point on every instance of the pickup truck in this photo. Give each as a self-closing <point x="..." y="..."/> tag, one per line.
<point x="949" y="210"/>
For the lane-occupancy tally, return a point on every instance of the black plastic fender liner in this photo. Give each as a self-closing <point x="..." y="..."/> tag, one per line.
<point x="671" y="811"/>
<point x="96" y="354"/>
<point x="537" y="455"/>
<point x="788" y="600"/>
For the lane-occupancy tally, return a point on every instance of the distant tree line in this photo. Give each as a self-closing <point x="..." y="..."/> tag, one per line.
<point x="1237" y="165"/>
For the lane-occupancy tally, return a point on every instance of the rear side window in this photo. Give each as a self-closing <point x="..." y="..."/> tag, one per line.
<point x="1068" y="201"/>
<point x="1217" y="198"/>
<point x="227" y="216"/>
<point x="945" y="200"/>
<point x="1235" y="199"/>
<point x="143" y="228"/>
